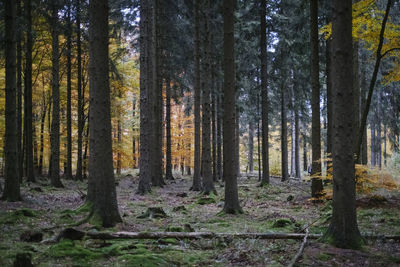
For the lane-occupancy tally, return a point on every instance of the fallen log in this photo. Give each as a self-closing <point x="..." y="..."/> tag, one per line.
<point x="298" y="254"/>
<point x="198" y="235"/>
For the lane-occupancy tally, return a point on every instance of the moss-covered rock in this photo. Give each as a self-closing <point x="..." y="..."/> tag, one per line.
<point x="282" y="222"/>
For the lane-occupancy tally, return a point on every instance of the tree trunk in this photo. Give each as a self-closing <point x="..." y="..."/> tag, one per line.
<point x="101" y="186"/>
<point x="168" y="165"/>
<point x="379" y="133"/>
<point x="328" y="64"/>
<point x="19" y="93"/>
<point x="11" y="186"/>
<point x="343" y="230"/>
<point x="356" y="95"/>
<point x="284" y="148"/>
<point x="297" y="144"/>
<point x="119" y="140"/>
<point x="316" y="183"/>
<point x="237" y="136"/>
<point x="197" y="99"/>
<point x="251" y="146"/>
<point x="207" y="177"/>
<point x="134" y="131"/>
<point x="229" y="172"/>
<point x="78" y="175"/>
<point x="364" y="147"/>
<point x="219" y="137"/>
<point x="384" y="144"/>
<point x="85" y="152"/>
<point x="42" y="122"/>
<point x="30" y="175"/>
<point x="214" y="129"/>
<point x="145" y="87"/>
<point x="293" y="144"/>
<point x="55" y="124"/>
<point x="373" y="142"/>
<point x="305" y="163"/>
<point x="264" y="94"/>
<point x="68" y="174"/>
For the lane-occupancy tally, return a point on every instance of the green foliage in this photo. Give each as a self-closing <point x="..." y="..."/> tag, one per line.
<point x="22" y="215"/>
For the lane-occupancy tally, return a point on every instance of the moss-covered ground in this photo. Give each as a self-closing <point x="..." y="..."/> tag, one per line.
<point x="279" y="207"/>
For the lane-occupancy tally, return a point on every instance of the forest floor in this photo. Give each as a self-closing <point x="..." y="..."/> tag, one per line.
<point x="279" y="207"/>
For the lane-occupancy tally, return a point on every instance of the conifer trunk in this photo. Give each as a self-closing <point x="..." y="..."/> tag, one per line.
<point x="251" y="147"/>
<point x="284" y="148"/>
<point x="168" y="165"/>
<point x="28" y="127"/>
<point x="11" y="187"/>
<point x="101" y="186"/>
<point x="229" y="172"/>
<point x="19" y="92"/>
<point x="68" y="174"/>
<point x="316" y="186"/>
<point x="78" y="175"/>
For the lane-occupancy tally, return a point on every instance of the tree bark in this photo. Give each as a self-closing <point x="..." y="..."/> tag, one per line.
<point x="229" y="171"/>
<point x="284" y="148"/>
<point x="134" y="132"/>
<point x="364" y="147"/>
<point x="197" y="99"/>
<point x="297" y="144"/>
<point x="11" y="186"/>
<point x="251" y="146"/>
<point x="378" y="133"/>
<point x="214" y="129"/>
<point x="55" y="124"/>
<point x="264" y="94"/>
<point x="343" y="230"/>
<point x="101" y="186"/>
<point x="68" y="174"/>
<point x="78" y="175"/>
<point x="356" y="96"/>
<point x="168" y="165"/>
<point x="19" y="93"/>
<point x="207" y="176"/>
<point x="316" y="183"/>
<point x="373" y="146"/>
<point x="30" y="175"/>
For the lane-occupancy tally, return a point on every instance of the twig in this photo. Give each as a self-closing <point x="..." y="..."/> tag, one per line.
<point x="297" y="256"/>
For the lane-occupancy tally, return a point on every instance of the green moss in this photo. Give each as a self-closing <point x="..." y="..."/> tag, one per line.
<point x="324" y="257"/>
<point x="79" y="255"/>
<point x="168" y="241"/>
<point x="282" y="222"/>
<point x="174" y="229"/>
<point x="22" y="215"/>
<point x="205" y="201"/>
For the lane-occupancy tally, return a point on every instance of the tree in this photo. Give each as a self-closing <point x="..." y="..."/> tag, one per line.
<point x="168" y="164"/>
<point x="264" y="94"/>
<point x="197" y="98"/>
<point x="28" y="127"/>
<point x="11" y="187"/>
<point x="78" y="174"/>
<point x="343" y="230"/>
<point x="316" y="186"/>
<point x="55" y="123"/>
<point x="229" y="169"/>
<point x="101" y="187"/>
<point x="68" y="173"/>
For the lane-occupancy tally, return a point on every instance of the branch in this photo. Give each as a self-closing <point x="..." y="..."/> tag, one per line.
<point x="390" y="50"/>
<point x="297" y="256"/>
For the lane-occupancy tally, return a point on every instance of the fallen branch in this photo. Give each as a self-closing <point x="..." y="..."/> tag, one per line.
<point x="195" y="235"/>
<point x="297" y="256"/>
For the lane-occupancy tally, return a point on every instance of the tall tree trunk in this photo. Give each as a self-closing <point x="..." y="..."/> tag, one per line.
<point x="356" y="96"/>
<point x="85" y="152"/>
<point x="384" y="144"/>
<point x="42" y="122"/>
<point x="305" y="163"/>
<point x="379" y="133"/>
<point x="258" y="138"/>
<point x="49" y="131"/>
<point x="284" y="148"/>
<point x="145" y="89"/>
<point x="297" y="144"/>
<point x="30" y="175"/>
<point x="197" y="99"/>
<point x="343" y="230"/>
<point x="168" y="165"/>
<point x="328" y="64"/>
<point x="119" y="140"/>
<point x="214" y="129"/>
<point x="68" y="174"/>
<point x="293" y="144"/>
<point x="134" y="131"/>
<point x="207" y="177"/>
<point x="55" y="124"/>
<point x="251" y="146"/>
<point x="237" y="137"/>
<point x="101" y="186"/>
<point x="19" y="92"/>
<point x="78" y="175"/>
<point x="316" y="186"/>
<point x="264" y="94"/>
<point x="229" y="172"/>
<point x="11" y="187"/>
<point x="364" y="147"/>
<point x="219" y="137"/>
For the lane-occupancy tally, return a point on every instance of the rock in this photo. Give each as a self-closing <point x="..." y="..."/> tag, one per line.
<point x="153" y="212"/>
<point x="179" y="208"/>
<point x="220" y="204"/>
<point x="31" y="236"/>
<point x="182" y="194"/>
<point x="290" y="198"/>
<point x="23" y="259"/>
